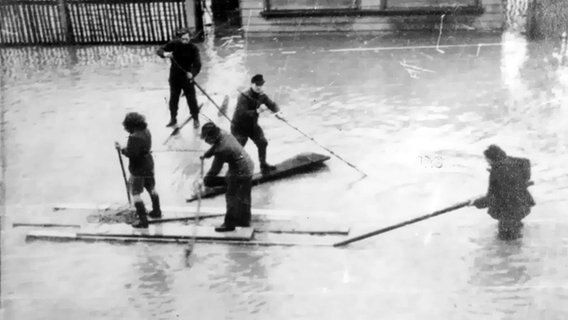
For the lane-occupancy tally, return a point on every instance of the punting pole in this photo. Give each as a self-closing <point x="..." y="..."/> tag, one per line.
<point x="319" y="144"/>
<point x="191" y="244"/>
<point x="124" y="175"/>
<point x="178" y="128"/>
<point x="314" y="140"/>
<point x="204" y="92"/>
<point x="405" y="223"/>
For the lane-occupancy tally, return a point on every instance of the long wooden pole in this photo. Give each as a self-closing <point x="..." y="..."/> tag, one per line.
<point x="191" y="245"/>
<point x="405" y="223"/>
<point x="124" y="175"/>
<point x="323" y="147"/>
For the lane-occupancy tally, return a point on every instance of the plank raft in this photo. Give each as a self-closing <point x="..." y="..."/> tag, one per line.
<point x="300" y="163"/>
<point x="171" y="234"/>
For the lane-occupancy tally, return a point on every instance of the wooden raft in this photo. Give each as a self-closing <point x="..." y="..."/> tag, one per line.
<point x="295" y="165"/>
<point x="153" y="233"/>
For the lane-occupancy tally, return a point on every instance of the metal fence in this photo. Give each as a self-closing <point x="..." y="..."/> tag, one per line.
<point x="90" y="21"/>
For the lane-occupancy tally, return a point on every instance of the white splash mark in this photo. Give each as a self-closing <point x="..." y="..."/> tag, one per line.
<point x="440" y="34"/>
<point x="409" y="66"/>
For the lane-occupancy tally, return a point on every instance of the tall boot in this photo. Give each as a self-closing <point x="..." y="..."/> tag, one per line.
<point x="173" y="119"/>
<point x="156" y="212"/>
<point x="264" y="166"/>
<point x="141" y="212"/>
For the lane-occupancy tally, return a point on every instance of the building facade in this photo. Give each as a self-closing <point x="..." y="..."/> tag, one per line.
<point x="269" y="17"/>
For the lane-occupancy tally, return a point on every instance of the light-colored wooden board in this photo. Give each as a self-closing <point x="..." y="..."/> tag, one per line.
<point x="165" y="231"/>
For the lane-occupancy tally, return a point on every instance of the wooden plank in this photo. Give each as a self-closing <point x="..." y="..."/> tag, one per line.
<point x="19" y="29"/>
<point x="93" y="23"/>
<point x="7" y="25"/>
<point x="45" y="225"/>
<point x="166" y="18"/>
<point x="331" y="21"/>
<point x="85" y="23"/>
<point x="110" y="18"/>
<point x="294" y="165"/>
<point x="37" y="16"/>
<point x="136" y="28"/>
<point x="51" y="24"/>
<point x="102" y="31"/>
<point x="149" y="21"/>
<point x="54" y="235"/>
<point x="77" y="22"/>
<point x="62" y="235"/>
<point x="428" y="3"/>
<point x="161" y="23"/>
<point x="271" y="227"/>
<point x="362" y="24"/>
<point x="165" y="231"/>
<point x="62" y="222"/>
<point x="304" y="227"/>
<point x="48" y="31"/>
<point x="29" y="36"/>
<point x="273" y="213"/>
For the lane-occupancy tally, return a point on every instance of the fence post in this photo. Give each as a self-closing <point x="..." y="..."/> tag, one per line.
<point x="194" y="16"/>
<point x="65" y="21"/>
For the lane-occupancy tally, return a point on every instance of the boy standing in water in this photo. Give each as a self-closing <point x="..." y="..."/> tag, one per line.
<point x="508" y="198"/>
<point x="141" y="166"/>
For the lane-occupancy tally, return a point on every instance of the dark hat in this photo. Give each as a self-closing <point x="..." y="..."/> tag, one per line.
<point x="209" y="130"/>
<point x="181" y="31"/>
<point x="494" y="153"/>
<point x="257" y="79"/>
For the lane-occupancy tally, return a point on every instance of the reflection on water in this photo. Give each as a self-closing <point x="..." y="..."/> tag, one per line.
<point x="416" y="120"/>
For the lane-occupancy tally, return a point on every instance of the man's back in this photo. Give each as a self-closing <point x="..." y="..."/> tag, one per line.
<point x="229" y="150"/>
<point x="508" y="184"/>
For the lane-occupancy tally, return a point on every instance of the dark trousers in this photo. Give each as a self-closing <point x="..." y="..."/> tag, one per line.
<point x="177" y="85"/>
<point x="237" y="197"/>
<point x="139" y="183"/>
<point x="256" y="135"/>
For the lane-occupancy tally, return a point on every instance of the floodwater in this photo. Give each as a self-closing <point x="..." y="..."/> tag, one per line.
<point x="414" y="117"/>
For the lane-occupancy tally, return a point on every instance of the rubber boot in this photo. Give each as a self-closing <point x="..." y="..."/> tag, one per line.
<point x="141" y="212"/>
<point x="173" y="119"/>
<point x="264" y="166"/>
<point x="156" y="212"/>
<point x="224" y="228"/>
<point x="172" y="122"/>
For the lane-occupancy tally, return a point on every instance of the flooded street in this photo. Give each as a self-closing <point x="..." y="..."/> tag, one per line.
<point x="414" y="117"/>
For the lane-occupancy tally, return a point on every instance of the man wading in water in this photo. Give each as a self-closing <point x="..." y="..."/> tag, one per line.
<point x="226" y="149"/>
<point x="141" y="166"/>
<point x="185" y="66"/>
<point x="507" y="198"/>
<point x="245" y="119"/>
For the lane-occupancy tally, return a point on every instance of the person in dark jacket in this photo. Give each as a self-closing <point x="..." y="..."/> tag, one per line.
<point x="141" y="166"/>
<point x="244" y="124"/>
<point x="508" y="199"/>
<point x="185" y="66"/>
<point x="226" y="149"/>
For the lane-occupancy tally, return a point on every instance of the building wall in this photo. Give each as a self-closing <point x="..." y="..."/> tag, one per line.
<point x="254" y="24"/>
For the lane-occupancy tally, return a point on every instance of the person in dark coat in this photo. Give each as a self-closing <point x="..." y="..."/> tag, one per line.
<point x="226" y="149"/>
<point x="508" y="199"/>
<point x="185" y="66"/>
<point x="244" y="124"/>
<point x="141" y="166"/>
